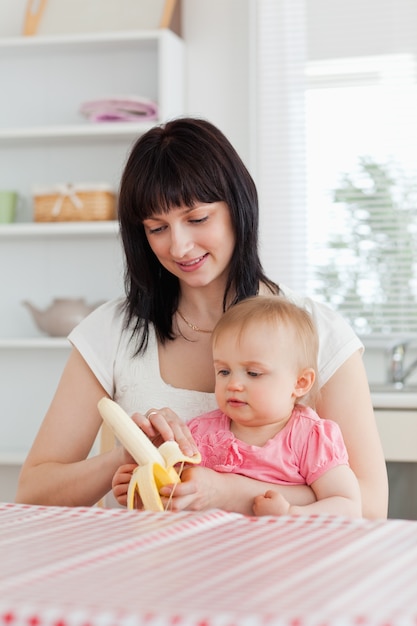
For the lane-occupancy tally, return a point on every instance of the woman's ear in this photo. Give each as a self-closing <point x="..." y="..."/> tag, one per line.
<point x="304" y="383"/>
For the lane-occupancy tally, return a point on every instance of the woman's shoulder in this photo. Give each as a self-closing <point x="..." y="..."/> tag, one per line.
<point x="316" y="309"/>
<point x="113" y="309"/>
<point x="337" y="339"/>
<point x="98" y="338"/>
<point x="109" y="315"/>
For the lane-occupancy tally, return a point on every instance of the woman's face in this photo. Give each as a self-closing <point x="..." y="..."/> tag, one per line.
<point x="195" y="244"/>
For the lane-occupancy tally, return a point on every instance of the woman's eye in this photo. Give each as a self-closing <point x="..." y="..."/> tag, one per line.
<point x="200" y="220"/>
<point x="155" y="230"/>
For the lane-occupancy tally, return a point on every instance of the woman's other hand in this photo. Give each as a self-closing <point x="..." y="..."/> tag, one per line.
<point x="164" y="425"/>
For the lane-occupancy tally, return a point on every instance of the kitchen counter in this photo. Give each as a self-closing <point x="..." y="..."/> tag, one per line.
<point x="396" y="417"/>
<point x="402" y="400"/>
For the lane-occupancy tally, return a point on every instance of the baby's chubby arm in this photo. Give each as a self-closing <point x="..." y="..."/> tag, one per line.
<point x="203" y="488"/>
<point x="337" y="492"/>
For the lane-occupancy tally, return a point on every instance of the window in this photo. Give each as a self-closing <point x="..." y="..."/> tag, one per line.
<point x="337" y="122"/>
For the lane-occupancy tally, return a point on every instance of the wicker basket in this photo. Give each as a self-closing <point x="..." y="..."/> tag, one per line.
<point x="70" y="203"/>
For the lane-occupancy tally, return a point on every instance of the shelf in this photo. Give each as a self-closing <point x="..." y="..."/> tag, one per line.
<point x="35" y="343"/>
<point x="82" y="67"/>
<point x="75" y="132"/>
<point x="58" y="229"/>
<point x="88" y="39"/>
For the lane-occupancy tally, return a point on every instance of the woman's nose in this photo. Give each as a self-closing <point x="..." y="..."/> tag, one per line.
<point x="181" y="244"/>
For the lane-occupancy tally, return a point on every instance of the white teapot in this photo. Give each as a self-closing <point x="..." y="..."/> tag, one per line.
<point x="60" y="317"/>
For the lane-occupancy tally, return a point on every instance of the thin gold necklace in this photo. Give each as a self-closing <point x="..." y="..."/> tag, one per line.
<point x="197" y="329"/>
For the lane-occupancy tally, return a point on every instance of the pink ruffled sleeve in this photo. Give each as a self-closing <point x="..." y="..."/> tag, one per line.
<point x="324" y="450"/>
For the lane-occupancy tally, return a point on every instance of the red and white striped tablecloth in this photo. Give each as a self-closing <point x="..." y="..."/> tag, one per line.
<point x="111" y="567"/>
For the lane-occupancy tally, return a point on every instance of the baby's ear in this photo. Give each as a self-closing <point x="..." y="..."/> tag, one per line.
<point x="304" y="383"/>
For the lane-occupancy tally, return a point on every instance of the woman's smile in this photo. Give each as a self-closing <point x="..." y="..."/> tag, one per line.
<point x="193" y="265"/>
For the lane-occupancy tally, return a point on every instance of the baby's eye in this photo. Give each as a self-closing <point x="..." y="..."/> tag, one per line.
<point x="223" y="372"/>
<point x="253" y="374"/>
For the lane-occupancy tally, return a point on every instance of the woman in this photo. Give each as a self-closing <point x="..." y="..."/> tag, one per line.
<point x="188" y="214"/>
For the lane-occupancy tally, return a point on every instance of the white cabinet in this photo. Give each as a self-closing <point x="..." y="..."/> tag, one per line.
<point x="398" y="432"/>
<point x="44" y="140"/>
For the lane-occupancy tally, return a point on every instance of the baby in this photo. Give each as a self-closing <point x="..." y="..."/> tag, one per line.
<point x="265" y="354"/>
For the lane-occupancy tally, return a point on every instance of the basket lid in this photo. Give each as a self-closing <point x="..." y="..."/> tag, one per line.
<point x="68" y="188"/>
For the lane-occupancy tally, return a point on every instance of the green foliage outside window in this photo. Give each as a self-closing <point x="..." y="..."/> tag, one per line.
<point x="369" y="269"/>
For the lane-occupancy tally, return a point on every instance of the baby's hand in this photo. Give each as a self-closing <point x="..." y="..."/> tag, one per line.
<point x="271" y="503"/>
<point x="120" y="482"/>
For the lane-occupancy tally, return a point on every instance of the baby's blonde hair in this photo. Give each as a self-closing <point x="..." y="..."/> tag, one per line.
<point x="275" y="311"/>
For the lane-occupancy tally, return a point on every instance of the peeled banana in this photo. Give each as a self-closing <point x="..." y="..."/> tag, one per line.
<point x="156" y="466"/>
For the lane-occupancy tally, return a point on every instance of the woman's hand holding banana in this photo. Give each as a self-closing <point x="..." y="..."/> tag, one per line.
<point x="156" y="466"/>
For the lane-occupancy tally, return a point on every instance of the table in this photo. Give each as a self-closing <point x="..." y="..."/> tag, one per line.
<point x="112" y="567"/>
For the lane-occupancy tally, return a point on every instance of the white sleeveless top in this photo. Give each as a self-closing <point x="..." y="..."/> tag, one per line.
<point x="135" y="382"/>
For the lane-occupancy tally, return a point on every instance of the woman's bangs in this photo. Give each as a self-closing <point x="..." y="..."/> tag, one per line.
<point x="175" y="189"/>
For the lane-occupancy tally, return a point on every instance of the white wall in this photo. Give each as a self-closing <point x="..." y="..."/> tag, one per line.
<point x="396" y="31"/>
<point x="221" y="67"/>
<point x="12" y="14"/>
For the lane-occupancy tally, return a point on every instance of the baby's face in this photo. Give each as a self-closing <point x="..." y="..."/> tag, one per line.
<point x="256" y="374"/>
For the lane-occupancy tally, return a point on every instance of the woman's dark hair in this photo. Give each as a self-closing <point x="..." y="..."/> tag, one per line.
<point x="179" y="163"/>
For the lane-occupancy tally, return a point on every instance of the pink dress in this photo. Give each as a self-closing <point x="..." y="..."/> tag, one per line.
<point x="300" y="453"/>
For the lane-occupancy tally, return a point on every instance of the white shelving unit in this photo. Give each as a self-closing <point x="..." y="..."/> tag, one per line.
<point x="44" y="140"/>
<point x="43" y="137"/>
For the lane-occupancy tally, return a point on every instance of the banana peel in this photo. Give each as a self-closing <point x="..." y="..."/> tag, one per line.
<point x="156" y="466"/>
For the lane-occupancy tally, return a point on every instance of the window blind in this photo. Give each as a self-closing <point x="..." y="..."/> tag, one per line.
<point x="337" y="146"/>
